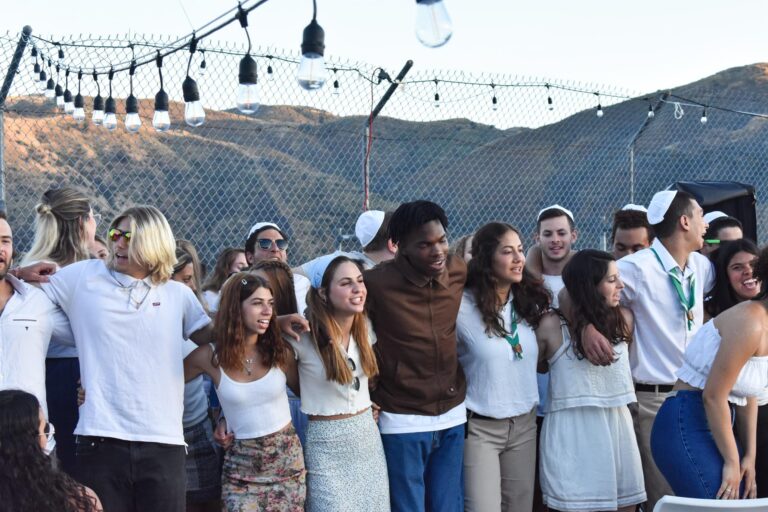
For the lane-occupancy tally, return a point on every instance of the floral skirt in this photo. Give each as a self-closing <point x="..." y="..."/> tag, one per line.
<point x="266" y="473"/>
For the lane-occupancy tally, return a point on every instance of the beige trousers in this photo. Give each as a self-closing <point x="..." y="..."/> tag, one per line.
<point x="643" y="414"/>
<point x="499" y="464"/>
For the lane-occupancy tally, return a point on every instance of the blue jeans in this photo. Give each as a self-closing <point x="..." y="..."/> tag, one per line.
<point x="684" y="449"/>
<point x="425" y="470"/>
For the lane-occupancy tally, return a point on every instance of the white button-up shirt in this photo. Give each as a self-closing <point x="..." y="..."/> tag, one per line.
<point x="661" y="326"/>
<point x="27" y="324"/>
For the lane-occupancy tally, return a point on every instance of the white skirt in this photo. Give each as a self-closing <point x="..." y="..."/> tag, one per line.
<point x="589" y="459"/>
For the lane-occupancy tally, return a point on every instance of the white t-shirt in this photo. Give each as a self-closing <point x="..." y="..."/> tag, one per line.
<point x="661" y="328"/>
<point x="554" y="284"/>
<point x="129" y="335"/>
<point x="301" y="286"/>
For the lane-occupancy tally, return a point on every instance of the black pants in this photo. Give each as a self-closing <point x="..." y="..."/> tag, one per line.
<point x="761" y="461"/>
<point x="61" y="376"/>
<point x="132" y="476"/>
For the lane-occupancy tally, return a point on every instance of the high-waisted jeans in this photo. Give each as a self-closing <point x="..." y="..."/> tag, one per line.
<point x="683" y="447"/>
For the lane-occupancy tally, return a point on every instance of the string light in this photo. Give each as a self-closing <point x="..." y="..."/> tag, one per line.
<point x="69" y="102"/>
<point x="59" y="90"/>
<point x="269" y="68"/>
<point x="78" y="114"/>
<point x="49" y="86"/>
<point x="651" y="113"/>
<point x="703" y="119"/>
<point x="161" y="120"/>
<point x="132" y="119"/>
<point x="312" y="73"/>
<point x="97" y="116"/>
<point x="550" y="105"/>
<point x="36" y="71"/>
<point x="194" y="113"/>
<point x="599" y="111"/>
<point x="494" y="100"/>
<point x="110" y="117"/>
<point x="433" y="25"/>
<point x="248" y="91"/>
<point x="203" y="65"/>
<point x="437" y="96"/>
<point x="336" y="89"/>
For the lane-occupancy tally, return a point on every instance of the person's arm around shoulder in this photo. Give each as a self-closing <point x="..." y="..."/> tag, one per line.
<point x="741" y="329"/>
<point x="549" y="336"/>
<point x="533" y="261"/>
<point x="197" y="325"/>
<point x="198" y="362"/>
<point x="291" y="370"/>
<point x="629" y="318"/>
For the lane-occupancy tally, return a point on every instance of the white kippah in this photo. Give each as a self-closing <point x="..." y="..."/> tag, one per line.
<point x="262" y="225"/>
<point x="367" y="225"/>
<point x="708" y="218"/>
<point x="556" y="207"/>
<point x="659" y="206"/>
<point x="634" y="207"/>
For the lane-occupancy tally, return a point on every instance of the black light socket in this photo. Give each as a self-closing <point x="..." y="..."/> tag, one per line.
<point x="34" y="51"/>
<point x="189" y="88"/>
<point x="111" y="106"/>
<point x="427" y="2"/>
<point x="248" y="74"/>
<point x="161" y="101"/>
<point x="43" y="76"/>
<point x="36" y="69"/>
<point x="131" y="105"/>
<point x="50" y="85"/>
<point x="61" y="53"/>
<point x="59" y="91"/>
<point x="314" y="39"/>
<point x="79" y="101"/>
<point x="67" y="96"/>
<point x="98" y="103"/>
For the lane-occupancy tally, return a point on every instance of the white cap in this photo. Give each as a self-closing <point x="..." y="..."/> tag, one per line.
<point x="708" y="218"/>
<point x="320" y="265"/>
<point x="261" y="225"/>
<point x="634" y="207"/>
<point x="367" y="225"/>
<point x="556" y="207"/>
<point x="659" y="206"/>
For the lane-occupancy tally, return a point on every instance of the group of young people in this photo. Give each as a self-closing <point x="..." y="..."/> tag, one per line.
<point x="408" y="376"/>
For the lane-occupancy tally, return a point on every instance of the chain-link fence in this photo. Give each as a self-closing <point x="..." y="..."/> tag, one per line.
<point x="299" y="160"/>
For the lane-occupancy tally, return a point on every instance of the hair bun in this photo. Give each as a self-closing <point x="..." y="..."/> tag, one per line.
<point x="43" y="208"/>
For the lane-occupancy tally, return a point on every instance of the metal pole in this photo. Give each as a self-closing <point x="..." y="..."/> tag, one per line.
<point x="9" y="76"/>
<point x="367" y="133"/>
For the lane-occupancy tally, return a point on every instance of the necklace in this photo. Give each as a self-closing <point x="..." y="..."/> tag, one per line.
<point x="249" y="361"/>
<point x="131" y="288"/>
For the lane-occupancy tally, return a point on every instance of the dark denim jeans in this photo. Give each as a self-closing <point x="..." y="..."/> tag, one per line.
<point x="425" y="470"/>
<point x="684" y="449"/>
<point x="131" y="476"/>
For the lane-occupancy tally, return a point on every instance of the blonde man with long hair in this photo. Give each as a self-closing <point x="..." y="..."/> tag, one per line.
<point x="65" y="227"/>
<point x="343" y="453"/>
<point x="129" y="321"/>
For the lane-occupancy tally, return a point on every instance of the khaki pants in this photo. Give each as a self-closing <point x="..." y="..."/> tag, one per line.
<point x="643" y="414"/>
<point x="499" y="464"/>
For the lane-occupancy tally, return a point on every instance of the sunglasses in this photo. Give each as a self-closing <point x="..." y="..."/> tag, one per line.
<point x="48" y="431"/>
<point x="114" y="234"/>
<point x="352" y="366"/>
<point x="265" y="244"/>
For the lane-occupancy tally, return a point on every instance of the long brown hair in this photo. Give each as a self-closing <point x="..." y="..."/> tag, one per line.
<point x="280" y="277"/>
<point x="326" y="332"/>
<point x="530" y="297"/>
<point x="215" y="279"/>
<point x="230" y="328"/>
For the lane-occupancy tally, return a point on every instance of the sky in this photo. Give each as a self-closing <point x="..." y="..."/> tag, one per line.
<point x="638" y="46"/>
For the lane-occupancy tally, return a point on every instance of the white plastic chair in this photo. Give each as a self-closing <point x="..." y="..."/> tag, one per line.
<point x="677" y="504"/>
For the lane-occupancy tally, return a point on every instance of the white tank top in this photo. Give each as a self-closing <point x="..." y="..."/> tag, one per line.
<point x="254" y="409"/>
<point x="697" y="363"/>
<point x="576" y="382"/>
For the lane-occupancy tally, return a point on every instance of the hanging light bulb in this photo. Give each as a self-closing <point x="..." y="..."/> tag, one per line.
<point x="203" y="65"/>
<point x="494" y="100"/>
<point x="78" y="113"/>
<point x="651" y="113"/>
<point x="194" y="114"/>
<point x="599" y="111"/>
<point x="110" y="116"/>
<point x="247" y="99"/>
<point x="59" y="90"/>
<point x="703" y="116"/>
<point x="161" y="121"/>
<point x="42" y="81"/>
<point x="132" y="119"/>
<point x="550" y="105"/>
<point x="312" y="73"/>
<point x="436" y="103"/>
<point x="97" y="116"/>
<point x="270" y="71"/>
<point x="36" y="70"/>
<point x="61" y="52"/>
<point x="69" y="101"/>
<point x="433" y="25"/>
<point x="50" y="91"/>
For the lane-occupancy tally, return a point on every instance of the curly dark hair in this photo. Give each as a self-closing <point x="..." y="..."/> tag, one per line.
<point x="28" y="481"/>
<point x="581" y="276"/>
<point x="531" y="298"/>
<point x="722" y="296"/>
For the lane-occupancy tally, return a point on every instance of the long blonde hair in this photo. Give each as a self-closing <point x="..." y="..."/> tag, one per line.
<point x="152" y="244"/>
<point x="60" y="227"/>
<point x="326" y="332"/>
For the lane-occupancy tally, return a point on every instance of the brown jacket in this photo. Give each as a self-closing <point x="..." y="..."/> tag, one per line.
<point x="414" y="318"/>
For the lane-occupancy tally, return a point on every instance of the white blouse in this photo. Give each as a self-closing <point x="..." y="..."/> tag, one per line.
<point x="321" y="396"/>
<point x="698" y="359"/>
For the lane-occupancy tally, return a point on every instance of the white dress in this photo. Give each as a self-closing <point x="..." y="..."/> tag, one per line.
<point x="589" y="459"/>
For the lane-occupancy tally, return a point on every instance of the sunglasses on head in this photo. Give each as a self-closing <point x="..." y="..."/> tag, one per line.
<point x="114" y="234"/>
<point x="266" y="243"/>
